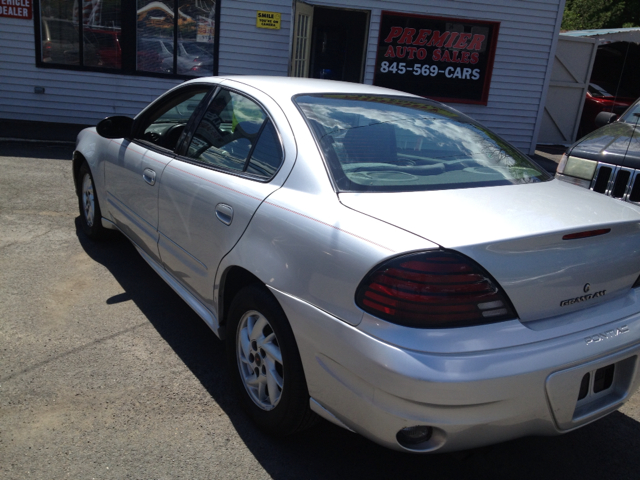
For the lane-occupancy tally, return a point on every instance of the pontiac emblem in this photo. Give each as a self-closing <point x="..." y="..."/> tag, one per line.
<point x="600" y="337"/>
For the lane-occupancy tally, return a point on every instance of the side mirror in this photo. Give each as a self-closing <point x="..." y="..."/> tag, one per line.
<point x="117" y="126"/>
<point x="605" y="118"/>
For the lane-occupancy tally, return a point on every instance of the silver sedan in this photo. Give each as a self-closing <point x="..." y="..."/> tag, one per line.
<point x="374" y="258"/>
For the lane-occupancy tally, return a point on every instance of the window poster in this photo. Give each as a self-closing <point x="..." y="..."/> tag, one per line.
<point x="447" y="59"/>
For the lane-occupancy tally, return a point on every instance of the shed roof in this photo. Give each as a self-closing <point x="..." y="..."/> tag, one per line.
<point x="606" y="35"/>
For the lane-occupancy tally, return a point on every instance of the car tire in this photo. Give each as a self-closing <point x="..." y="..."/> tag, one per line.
<point x="90" y="214"/>
<point x="264" y="364"/>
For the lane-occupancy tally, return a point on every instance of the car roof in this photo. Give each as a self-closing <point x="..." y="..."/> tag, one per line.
<point x="286" y="87"/>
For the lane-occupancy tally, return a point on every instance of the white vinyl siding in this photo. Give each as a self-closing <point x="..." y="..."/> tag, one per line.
<point x="526" y="43"/>
<point x="520" y="72"/>
<point x="248" y="50"/>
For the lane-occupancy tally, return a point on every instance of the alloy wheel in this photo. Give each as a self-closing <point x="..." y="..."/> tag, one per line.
<point x="88" y="200"/>
<point x="259" y="360"/>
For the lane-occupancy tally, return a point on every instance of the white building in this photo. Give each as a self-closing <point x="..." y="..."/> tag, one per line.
<point x="490" y="59"/>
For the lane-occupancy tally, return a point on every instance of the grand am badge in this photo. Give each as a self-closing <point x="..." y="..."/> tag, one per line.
<point x="583" y="298"/>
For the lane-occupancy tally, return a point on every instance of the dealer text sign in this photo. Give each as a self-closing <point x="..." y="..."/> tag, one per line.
<point x="16" y="8"/>
<point x="446" y="59"/>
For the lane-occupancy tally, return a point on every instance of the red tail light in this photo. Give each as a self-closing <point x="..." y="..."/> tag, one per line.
<point x="587" y="234"/>
<point x="435" y="289"/>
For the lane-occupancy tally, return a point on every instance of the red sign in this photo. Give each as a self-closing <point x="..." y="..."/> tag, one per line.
<point x="447" y="59"/>
<point x="16" y="9"/>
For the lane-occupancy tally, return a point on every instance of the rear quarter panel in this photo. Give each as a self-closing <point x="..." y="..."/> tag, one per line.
<point x="304" y="242"/>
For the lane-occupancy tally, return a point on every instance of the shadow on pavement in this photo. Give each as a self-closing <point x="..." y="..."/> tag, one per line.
<point x="603" y="450"/>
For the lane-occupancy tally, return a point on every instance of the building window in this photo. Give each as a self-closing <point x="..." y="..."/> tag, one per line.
<point x="120" y="36"/>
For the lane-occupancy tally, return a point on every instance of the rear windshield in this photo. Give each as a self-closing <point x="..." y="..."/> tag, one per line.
<point x="385" y="143"/>
<point x="632" y="115"/>
<point x="606" y="90"/>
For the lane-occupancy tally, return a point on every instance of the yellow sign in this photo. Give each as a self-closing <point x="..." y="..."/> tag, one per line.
<point x="268" y="20"/>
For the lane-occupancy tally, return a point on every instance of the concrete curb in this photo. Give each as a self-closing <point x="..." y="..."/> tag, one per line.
<point x="34" y="140"/>
<point x="39" y="132"/>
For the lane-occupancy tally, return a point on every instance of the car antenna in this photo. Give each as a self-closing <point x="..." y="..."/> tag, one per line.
<point x="624" y="63"/>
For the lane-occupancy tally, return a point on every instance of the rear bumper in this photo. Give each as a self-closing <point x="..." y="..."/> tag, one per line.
<point x="470" y="399"/>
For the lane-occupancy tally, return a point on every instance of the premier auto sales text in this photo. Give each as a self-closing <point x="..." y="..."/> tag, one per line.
<point x="410" y="44"/>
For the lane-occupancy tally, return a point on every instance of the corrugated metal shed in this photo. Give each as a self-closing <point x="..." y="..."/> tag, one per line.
<point x="607" y="35"/>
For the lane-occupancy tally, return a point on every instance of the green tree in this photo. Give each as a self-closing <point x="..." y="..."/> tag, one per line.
<point x="588" y="14"/>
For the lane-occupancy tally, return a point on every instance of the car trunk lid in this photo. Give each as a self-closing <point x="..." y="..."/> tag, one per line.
<point x="525" y="236"/>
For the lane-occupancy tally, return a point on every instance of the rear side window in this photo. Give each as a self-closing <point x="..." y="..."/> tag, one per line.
<point x="236" y="134"/>
<point x="267" y="156"/>
<point x="380" y="143"/>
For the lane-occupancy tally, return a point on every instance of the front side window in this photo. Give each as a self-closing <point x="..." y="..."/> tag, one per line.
<point x="128" y="37"/>
<point x="383" y="143"/>
<point x="164" y="125"/>
<point x="236" y="134"/>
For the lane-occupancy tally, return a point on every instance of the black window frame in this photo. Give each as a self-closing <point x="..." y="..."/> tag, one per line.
<point x="127" y="37"/>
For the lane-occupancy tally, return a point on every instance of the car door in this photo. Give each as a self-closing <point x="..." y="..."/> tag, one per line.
<point x="209" y="194"/>
<point x="133" y="169"/>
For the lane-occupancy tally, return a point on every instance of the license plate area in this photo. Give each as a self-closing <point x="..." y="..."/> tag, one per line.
<point x="582" y="394"/>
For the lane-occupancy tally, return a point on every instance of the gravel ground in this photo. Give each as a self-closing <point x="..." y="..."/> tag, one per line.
<point x="106" y="374"/>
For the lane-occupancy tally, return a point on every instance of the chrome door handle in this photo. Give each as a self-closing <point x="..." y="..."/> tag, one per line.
<point x="224" y="213"/>
<point x="149" y="176"/>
